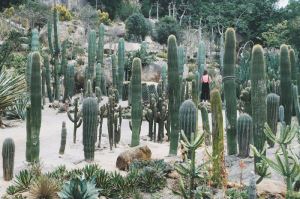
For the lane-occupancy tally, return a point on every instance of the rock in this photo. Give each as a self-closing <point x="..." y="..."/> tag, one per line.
<point x="173" y="175"/>
<point x="271" y="189"/>
<point x="137" y="153"/>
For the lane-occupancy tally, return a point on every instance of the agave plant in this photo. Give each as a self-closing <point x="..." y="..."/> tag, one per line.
<point x="79" y="188"/>
<point x="23" y="180"/>
<point x="90" y="170"/>
<point x="11" y="87"/>
<point x="11" y="190"/>
<point x="286" y="162"/>
<point x="44" y="188"/>
<point x="18" y="108"/>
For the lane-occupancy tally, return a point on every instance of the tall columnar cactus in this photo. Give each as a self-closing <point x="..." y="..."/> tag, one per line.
<point x="164" y="76"/>
<point x="28" y="134"/>
<point x="90" y="112"/>
<point x="296" y="102"/>
<point x="121" y="63"/>
<point x="230" y="89"/>
<point x="293" y="66"/>
<point x="221" y="53"/>
<point x="101" y="116"/>
<point x="258" y="97"/>
<point x="136" y="99"/>
<point x="43" y="85"/>
<point x="201" y="61"/>
<point x="69" y="81"/>
<point x="173" y="93"/>
<point x="114" y="71"/>
<point x="219" y="174"/>
<point x="272" y="113"/>
<point x="8" y="158"/>
<point x="64" y="60"/>
<point x="110" y="108"/>
<point x="98" y="76"/>
<point x="76" y="119"/>
<point x="36" y="109"/>
<point x="150" y="116"/>
<point x="56" y="79"/>
<point x="125" y="91"/>
<point x="205" y="124"/>
<point x="48" y="77"/>
<point x="103" y="84"/>
<point x="161" y="117"/>
<point x="100" y="48"/>
<point x="35" y="44"/>
<point x="195" y="89"/>
<point x="286" y="83"/>
<point x="187" y="118"/>
<point x="281" y="114"/>
<point x="244" y="134"/>
<point x="181" y="59"/>
<point x="91" y="53"/>
<point x="145" y="93"/>
<point x="28" y="71"/>
<point x="55" y="31"/>
<point x="49" y="34"/>
<point x="63" y="139"/>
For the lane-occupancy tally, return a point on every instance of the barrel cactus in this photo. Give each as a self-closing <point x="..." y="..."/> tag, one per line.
<point x="173" y="93"/>
<point x="187" y="118"/>
<point x="258" y="97"/>
<point x="90" y="122"/>
<point x="244" y="134"/>
<point x="272" y="113"/>
<point x="286" y="83"/>
<point x="8" y="157"/>
<point x="136" y="99"/>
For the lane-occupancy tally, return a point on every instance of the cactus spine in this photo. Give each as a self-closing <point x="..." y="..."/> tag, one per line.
<point x="219" y="175"/>
<point x="76" y="119"/>
<point x="100" y="49"/>
<point x="48" y="77"/>
<point x="173" y="93"/>
<point x="35" y="110"/>
<point x="272" y="113"/>
<point x="258" y="98"/>
<point x="286" y="83"/>
<point x="91" y="53"/>
<point x="89" y="119"/>
<point x="136" y="99"/>
<point x="188" y="117"/>
<point x="114" y="71"/>
<point x="8" y="157"/>
<point x="121" y="63"/>
<point x="244" y="134"/>
<point x="63" y="139"/>
<point x="230" y="89"/>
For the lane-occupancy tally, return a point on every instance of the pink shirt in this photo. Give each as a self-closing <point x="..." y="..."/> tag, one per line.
<point x="205" y="79"/>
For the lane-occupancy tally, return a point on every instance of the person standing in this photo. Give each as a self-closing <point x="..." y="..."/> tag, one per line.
<point x="205" y="80"/>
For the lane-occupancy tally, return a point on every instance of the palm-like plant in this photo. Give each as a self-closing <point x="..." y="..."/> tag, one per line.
<point x="11" y="87"/>
<point x="44" y="188"/>
<point x="78" y="188"/>
<point x="286" y="163"/>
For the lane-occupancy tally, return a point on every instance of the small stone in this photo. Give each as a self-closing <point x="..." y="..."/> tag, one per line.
<point x="271" y="189"/>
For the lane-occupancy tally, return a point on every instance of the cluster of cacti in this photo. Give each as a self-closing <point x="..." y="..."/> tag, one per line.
<point x="218" y="174"/>
<point x="121" y="63"/>
<point x="244" y="134"/>
<point x="63" y="139"/>
<point x="33" y="124"/>
<point x="286" y="83"/>
<point x="8" y="158"/>
<point x="173" y="93"/>
<point x="230" y="90"/>
<point x="76" y="119"/>
<point x="258" y="98"/>
<point x="272" y="113"/>
<point x="136" y="99"/>
<point x="90" y="123"/>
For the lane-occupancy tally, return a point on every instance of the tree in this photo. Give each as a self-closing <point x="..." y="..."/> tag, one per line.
<point x="165" y="27"/>
<point x="137" y="27"/>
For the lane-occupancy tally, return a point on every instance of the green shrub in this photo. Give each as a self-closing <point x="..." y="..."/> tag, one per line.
<point x="137" y="27"/>
<point x="104" y="17"/>
<point x="126" y="9"/>
<point x="64" y="13"/>
<point x="164" y="27"/>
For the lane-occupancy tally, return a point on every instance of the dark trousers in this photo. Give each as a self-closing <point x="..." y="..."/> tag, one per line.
<point x="205" y="92"/>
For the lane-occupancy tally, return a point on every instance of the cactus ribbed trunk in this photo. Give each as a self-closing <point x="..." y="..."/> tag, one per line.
<point x="91" y="54"/>
<point x="35" y="44"/>
<point x="114" y="71"/>
<point x="219" y="174"/>
<point x="205" y="124"/>
<point x="293" y="66"/>
<point x="69" y="81"/>
<point x="286" y="83"/>
<point x="173" y="94"/>
<point x="100" y="48"/>
<point x="8" y="158"/>
<point x="90" y="120"/>
<point x="56" y="79"/>
<point x="121" y="64"/>
<point x="258" y="98"/>
<point x="201" y="62"/>
<point x="188" y="117"/>
<point x="28" y="71"/>
<point x="272" y="113"/>
<point x="98" y="80"/>
<point x="230" y="90"/>
<point x="48" y="78"/>
<point x="136" y="99"/>
<point x="63" y="139"/>
<point x="244" y="134"/>
<point x="181" y="59"/>
<point x="36" y="109"/>
<point x="76" y="119"/>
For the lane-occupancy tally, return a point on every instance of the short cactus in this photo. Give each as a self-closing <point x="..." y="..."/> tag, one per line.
<point x="63" y="139"/>
<point x="187" y="117"/>
<point x="8" y="158"/>
<point x="205" y="124"/>
<point x="76" y="119"/>
<point x="244" y="134"/>
<point x="272" y="113"/>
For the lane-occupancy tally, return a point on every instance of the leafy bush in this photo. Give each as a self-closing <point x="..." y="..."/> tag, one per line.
<point x="137" y="27"/>
<point x="64" y="13"/>
<point x="237" y="193"/>
<point x="104" y="17"/>
<point x="18" y="62"/>
<point x="126" y="9"/>
<point x="164" y="27"/>
<point x="9" y="12"/>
